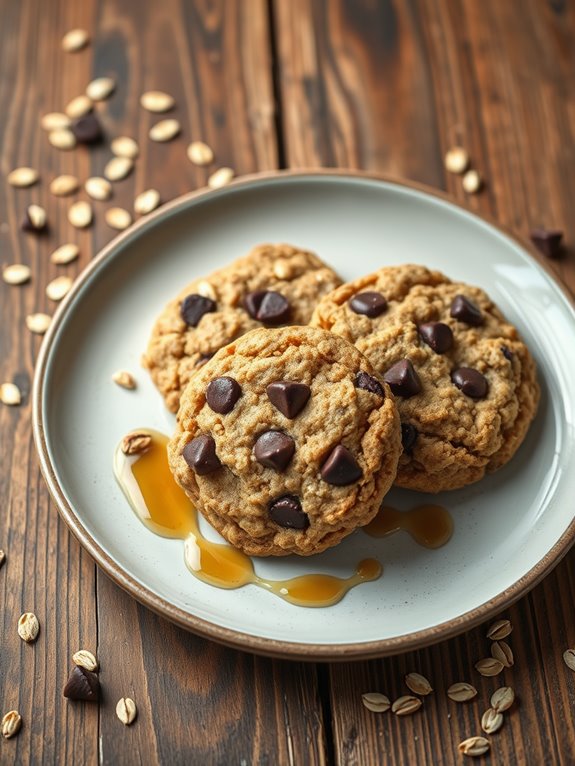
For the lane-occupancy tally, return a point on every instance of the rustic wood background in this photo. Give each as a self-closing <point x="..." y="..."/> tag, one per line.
<point x="385" y="85"/>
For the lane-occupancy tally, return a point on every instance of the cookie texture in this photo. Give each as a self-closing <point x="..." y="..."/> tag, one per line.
<point x="465" y="383"/>
<point x="273" y="285"/>
<point x="286" y="440"/>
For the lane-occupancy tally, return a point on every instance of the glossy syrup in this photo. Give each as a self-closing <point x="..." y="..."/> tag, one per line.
<point x="430" y="525"/>
<point x="164" y="508"/>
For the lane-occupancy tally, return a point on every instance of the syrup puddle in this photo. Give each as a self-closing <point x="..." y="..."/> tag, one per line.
<point x="430" y="525"/>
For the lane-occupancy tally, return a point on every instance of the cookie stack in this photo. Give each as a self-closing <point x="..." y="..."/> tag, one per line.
<point x="301" y="400"/>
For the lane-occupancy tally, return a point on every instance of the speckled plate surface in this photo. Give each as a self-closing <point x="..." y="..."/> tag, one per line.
<point x="510" y="529"/>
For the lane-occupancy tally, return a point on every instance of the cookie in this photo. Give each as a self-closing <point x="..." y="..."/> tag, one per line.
<point x="287" y="441"/>
<point x="464" y="382"/>
<point x="273" y="285"/>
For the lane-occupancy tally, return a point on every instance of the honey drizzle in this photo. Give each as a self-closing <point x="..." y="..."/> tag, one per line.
<point x="165" y="509"/>
<point x="430" y="525"/>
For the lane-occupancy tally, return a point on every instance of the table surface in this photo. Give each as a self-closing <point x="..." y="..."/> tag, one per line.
<point x="376" y="84"/>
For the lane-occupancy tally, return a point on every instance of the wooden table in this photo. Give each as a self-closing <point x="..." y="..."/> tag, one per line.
<point x="375" y="84"/>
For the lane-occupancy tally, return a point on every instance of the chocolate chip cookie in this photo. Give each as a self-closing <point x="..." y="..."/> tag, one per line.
<point x="287" y="441"/>
<point x="273" y="285"/>
<point x="464" y="382"/>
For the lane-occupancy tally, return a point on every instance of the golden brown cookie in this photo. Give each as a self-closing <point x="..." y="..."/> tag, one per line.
<point x="273" y="285"/>
<point x="464" y="382"/>
<point x="287" y="440"/>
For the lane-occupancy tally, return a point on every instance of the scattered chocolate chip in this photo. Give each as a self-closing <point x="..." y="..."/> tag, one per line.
<point x="471" y="382"/>
<point x="403" y="379"/>
<point x="253" y="301"/>
<point x="369" y="383"/>
<point x="466" y="311"/>
<point x="286" y="512"/>
<point x="194" y="307"/>
<point x="341" y="468"/>
<point x="222" y="394"/>
<point x="268" y="306"/>
<point x="437" y="335"/>
<point x="369" y="303"/>
<point x="288" y="397"/>
<point x="87" y="129"/>
<point x="409" y="436"/>
<point x="507" y="353"/>
<point x="200" y="455"/>
<point x="274" y="449"/>
<point x="82" y="685"/>
<point x="548" y="241"/>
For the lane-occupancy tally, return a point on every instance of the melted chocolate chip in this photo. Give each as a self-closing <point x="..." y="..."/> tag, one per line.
<point x="82" y="685"/>
<point x="268" y="306"/>
<point x="288" y="396"/>
<point x="437" y="335"/>
<point x="341" y="468"/>
<point x="369" y="303"/>
<point x="507" y="353"/>
<point x="274" y="449"/>
<point x="222" y="394"/>
<point x="194" y="307"/>
<point x="548" y="241"/>
<point x="200" y="455"/>
<point x="470" y="381"/>
<point x="87" y="129"/>
<point x="403" y="379"/>
<point x="409" y="436"/>
<point x="369" y="383"/>
<point x="466" y="311"/>
<point x="286" y="512"/>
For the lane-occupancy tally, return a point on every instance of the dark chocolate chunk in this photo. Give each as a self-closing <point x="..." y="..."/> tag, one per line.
<point x="470" y="381"/>
<point x="268" y="307"/>
<point x="369" y="383"/>
<point x="466" y="311"/>
<point x="507" y="353"/>
<point x="369" y="303"/>
<point x="82" y="685"/>
<point x="194" y="307"/>
<point x="274" y="449"/>
<point x="548" y="241"/>
<point x="200" y="455"/>
<point x="403" y="379"/>
<point x="222" y="394"/>
<point x="341" y="468"/>
<point x="286" y="512"/>
<point x="87" y="129"/>
<point x="409" y="436"/>
<point x="437" y="335"/>
<point x="288" y="396"/>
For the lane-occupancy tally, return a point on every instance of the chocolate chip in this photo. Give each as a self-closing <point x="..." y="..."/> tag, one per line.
<point x="200" y="455"/>
<point x="286" y="512"/>
<point x="268" y="306"/>
<point x="341" y="467"/>
<point x="466" y="311"/>
<point x="288" y="396"/>
<point x="369" y="303"/>
<point x="274" y="449"/>
<point x="194" y="307"/>
<point x="369" y="383"/>
<point x="437" y="335"/>
<point x="471" y="382"/>
<point x="87" y="129"/>
<point x="222" y="394"/>
<point x="548" y="241"/>
<point x="402" y="379"/>
<point x="82" y="685"/>
<point x="507" y="353"/>
<point x="409" y="436"/>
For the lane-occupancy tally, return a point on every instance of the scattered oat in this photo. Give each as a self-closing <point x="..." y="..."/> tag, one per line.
<point x="124" y="379"/>
<point x="79" y="106"/>
<point x="118" y="168"/>
<point x="100" y="89"/>
<point x="55" y="121"/>
<point x="471" y="182"/>
<point x="58" y="288"/>
<point x="200" y="153"/>
<point x="569" y="658"/>
<point x="206" y="289"/>
<point x="35" y="218"/>
<point x="502" y="699"/>
<point x="491" y="721"/>
<point x="124" y="146"/>
<point x="474" y="746"/>
<point x="376" y="702"/>
<point x="11" y="724"/>
<point x="489" y="666"/>
<point x="135" y="442"/>
<point x="502" y="652"/>
<point x="85" y="659"/>
<point x="16" y="274"/>
<point x="406" y="705"/>
<point x="80" y="214"/>
<point x="62" y="138"/>
<point x="2" y="558"/>
<point x="126" y="710"/>
<point x="498" y="630"/>
<point x="118" y="218"/>
<point x="23" y="176"/>
<point x="418" y="684"/>
<point x="38" y="323"/>
<point x="75" y="40"/>
<point x="456" y="160"/>
<point x="10" y="394"/>
<point x="98" y="188"/>
<point x="64" y="185"/>
<point x="164" y="130"/>
<point x="147" y="201"/>
<point x="156" y="101"/>
<point x="28" y="627"/>
<point x="65" y="254"/>
<point x="221" y="177"/>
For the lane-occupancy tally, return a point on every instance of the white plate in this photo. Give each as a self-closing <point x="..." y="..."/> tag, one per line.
<point x="510" y="528"/>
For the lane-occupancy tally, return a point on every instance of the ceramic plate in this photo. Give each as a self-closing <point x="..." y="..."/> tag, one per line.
<point x="510" y="528"/>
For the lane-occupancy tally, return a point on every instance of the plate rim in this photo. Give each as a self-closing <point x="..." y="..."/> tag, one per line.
<point x="228" y="636"/>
